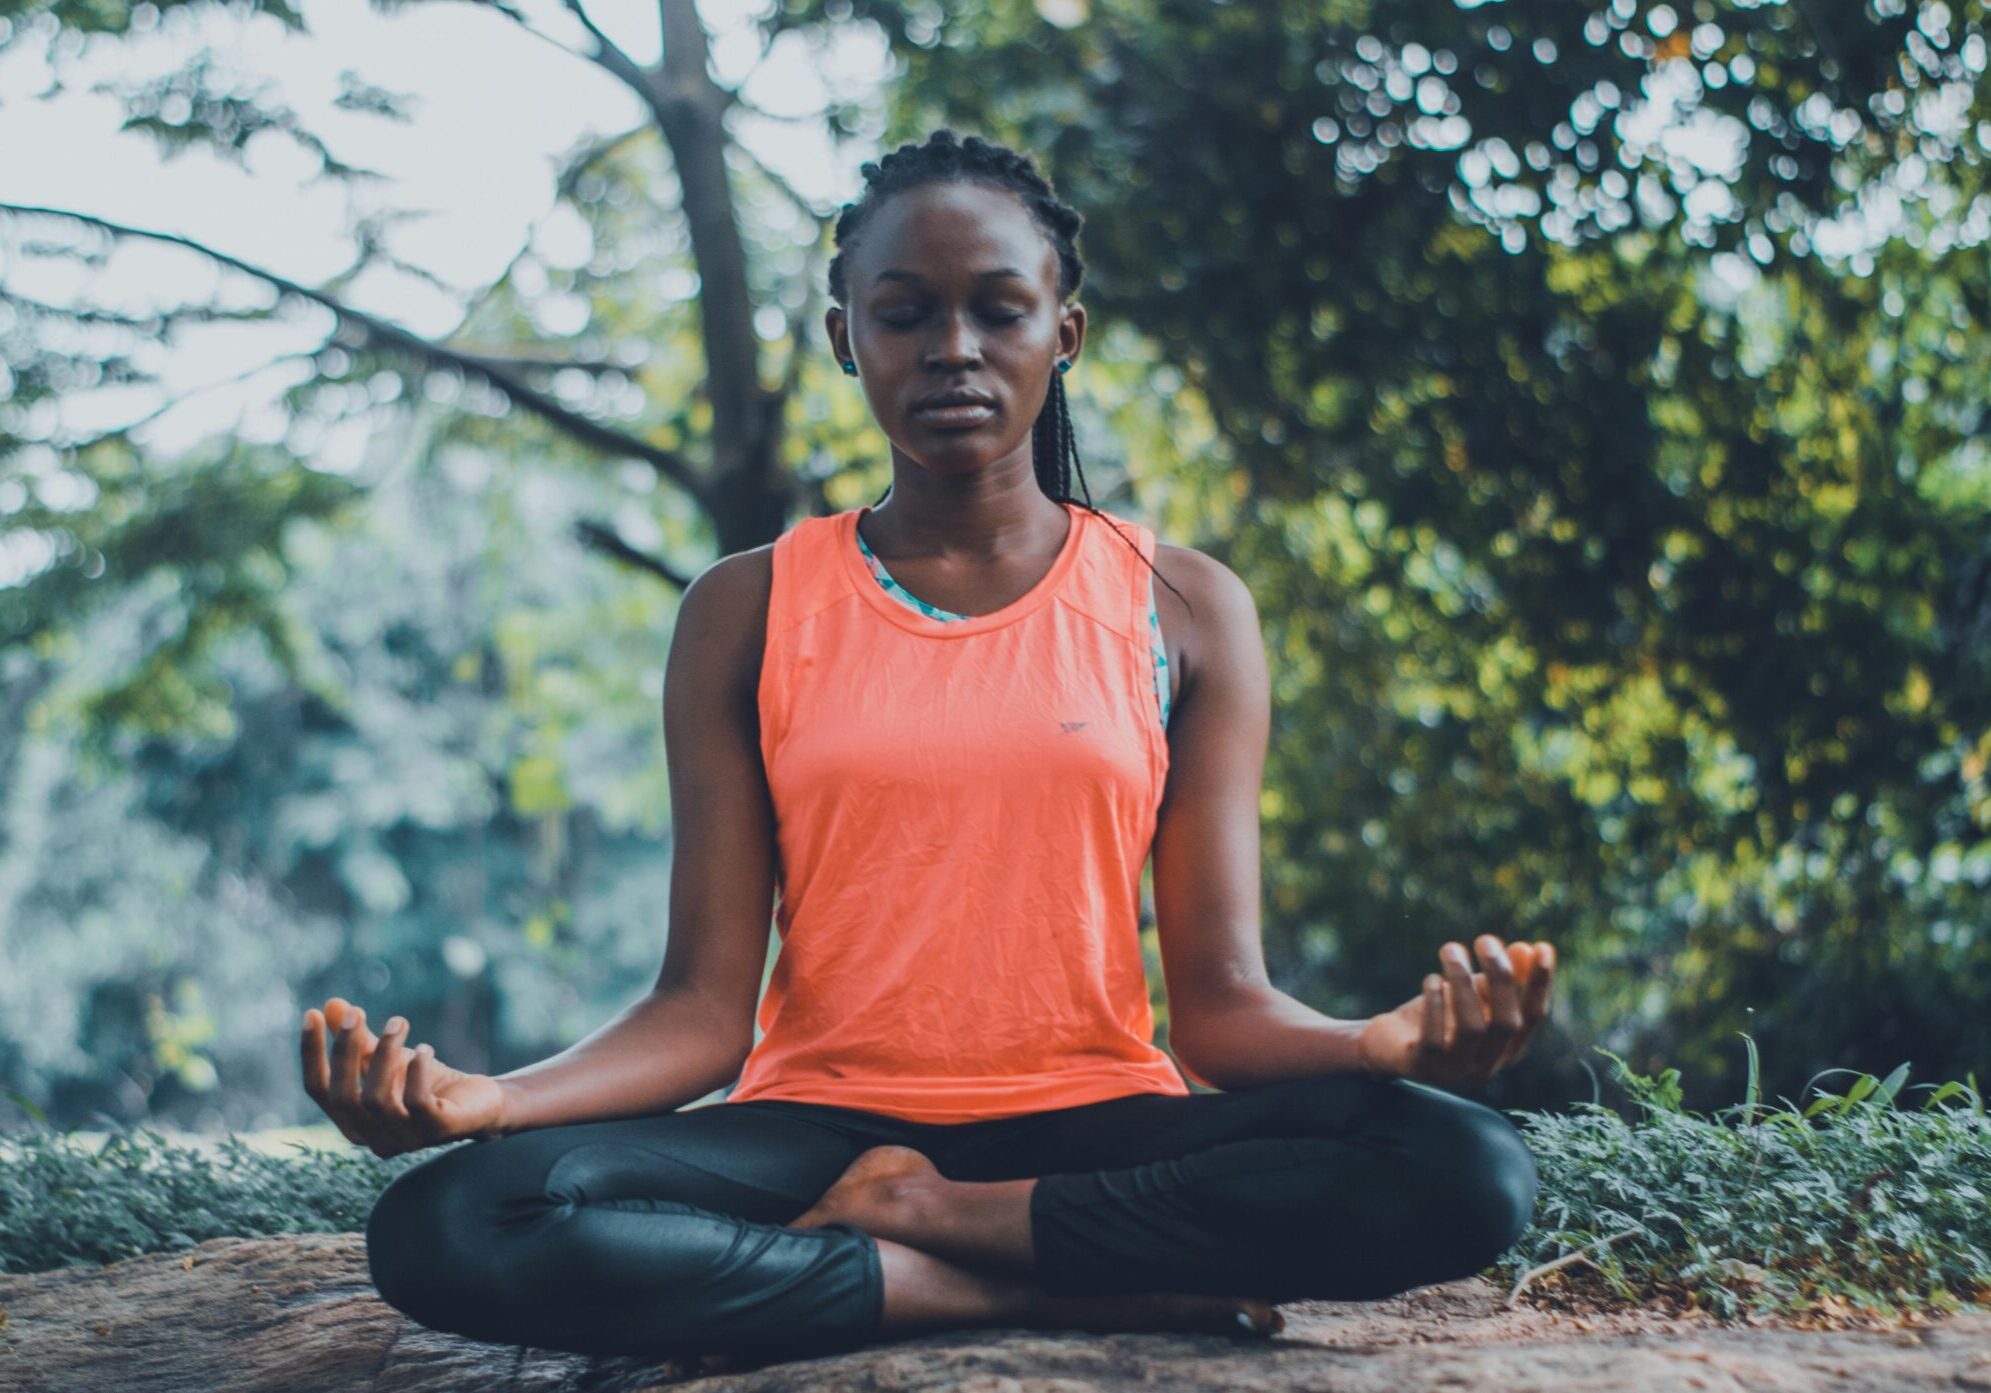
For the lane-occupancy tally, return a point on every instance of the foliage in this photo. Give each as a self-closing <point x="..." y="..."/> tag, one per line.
<point x="447" y="804"/>
<point x="63" y="1203"/>
<point x="1617" y="515"/>
<point x="1845" y="1205"/>
<point x="1599" y="394"/>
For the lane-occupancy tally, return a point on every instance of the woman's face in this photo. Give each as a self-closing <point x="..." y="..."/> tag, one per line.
<point x="952" y="286"/>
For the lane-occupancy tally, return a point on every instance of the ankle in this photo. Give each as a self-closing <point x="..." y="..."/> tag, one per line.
<point x="927" y="1292"/>
<point x="906" y="1207"/>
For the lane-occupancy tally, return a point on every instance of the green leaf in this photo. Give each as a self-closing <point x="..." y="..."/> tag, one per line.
<point x="27" y="1105"/>
<point x="1750" y="1096"/>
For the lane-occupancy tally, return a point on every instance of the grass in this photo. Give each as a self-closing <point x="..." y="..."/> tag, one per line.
<point x="65" y="1200"/>
<point x="1846" y="1209"/>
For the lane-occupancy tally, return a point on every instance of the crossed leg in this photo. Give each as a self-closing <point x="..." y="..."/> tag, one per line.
<point x="1346" y="1187"/>
<point x="671" y="1234"/>
<point x="678" y="1233"/>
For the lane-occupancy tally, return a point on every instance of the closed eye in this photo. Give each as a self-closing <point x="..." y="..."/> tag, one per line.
<point x="907" y="321"/>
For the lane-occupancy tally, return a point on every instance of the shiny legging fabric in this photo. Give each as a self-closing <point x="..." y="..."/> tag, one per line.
<point x="665" y="1234"/>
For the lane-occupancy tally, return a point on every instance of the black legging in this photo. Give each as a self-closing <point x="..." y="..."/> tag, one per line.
<point x="664" y="1235"/>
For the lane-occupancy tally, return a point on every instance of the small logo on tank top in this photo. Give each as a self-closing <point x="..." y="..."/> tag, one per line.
<point x="1069" y="726"/>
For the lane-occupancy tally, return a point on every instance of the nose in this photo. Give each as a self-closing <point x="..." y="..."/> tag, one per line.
<point x="956" y="343"/>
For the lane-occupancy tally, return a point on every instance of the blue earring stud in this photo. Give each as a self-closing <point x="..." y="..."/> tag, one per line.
<point x="1064" y="365"/>
<point x="849" y="368"/>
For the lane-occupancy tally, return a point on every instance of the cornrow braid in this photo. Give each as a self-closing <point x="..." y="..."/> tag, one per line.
<point x="944" y="157"/>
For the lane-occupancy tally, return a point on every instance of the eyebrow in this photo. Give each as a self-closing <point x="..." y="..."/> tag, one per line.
<point x="894" y="274"/>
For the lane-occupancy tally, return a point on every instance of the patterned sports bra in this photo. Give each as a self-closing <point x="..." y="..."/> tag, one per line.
<point x="1156" y="647"/>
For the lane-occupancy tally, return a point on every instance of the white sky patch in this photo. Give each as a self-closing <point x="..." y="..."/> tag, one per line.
<point x="493" y="107"/>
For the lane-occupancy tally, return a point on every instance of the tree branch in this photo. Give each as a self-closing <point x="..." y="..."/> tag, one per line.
<point x="536" y="363"/>
<point x="588" y="431"/>
<point x="599" y="536"/>
<point x="522" y="22"/>
<point x="793" y="194"/>
<point x="609" y="55"/>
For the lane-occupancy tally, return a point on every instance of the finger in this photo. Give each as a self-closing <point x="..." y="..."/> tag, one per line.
<point x="335" y="1012"/>
<point x="419" y="1092"/>
<point x="412" y="1131"/>
<point x="347" y="1059"/>
<point x="361" y="1033"/>
<point x="318" y="1074"/>
<point x="383" y="1098"/>
<point x="1463" y="1057"/>
<point x="1503" y="996"/>
<point x="1534" y="999"/>
<point x="1431" y="1040"/>
<point x="1535" y="1004"/>
<point x="1469" y="1015"/>
<point x="1522" y="955"/>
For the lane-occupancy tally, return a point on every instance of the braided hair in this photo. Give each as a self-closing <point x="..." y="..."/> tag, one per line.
<point x="944" y="157"/>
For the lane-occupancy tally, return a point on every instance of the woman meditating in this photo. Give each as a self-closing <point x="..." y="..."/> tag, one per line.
<point x="950" y="730"/>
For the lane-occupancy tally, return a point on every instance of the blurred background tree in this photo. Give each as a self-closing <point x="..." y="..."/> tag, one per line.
<point x="1602" y="437"/>
<point x="1602" y="403"/>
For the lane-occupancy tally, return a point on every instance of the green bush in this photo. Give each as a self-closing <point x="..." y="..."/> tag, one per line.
<point x="1845" y="1205"/>
<point x="64" y="1202"/>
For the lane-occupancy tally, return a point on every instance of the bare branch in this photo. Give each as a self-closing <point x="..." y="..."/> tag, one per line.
<point x="610" y="55"/>
<point x="380" y="333"/>
<point x="77" y="447"/>
<point x="600" y="537"/>
<point x="793" y="194"/>
<point x="1579" y="1255"/>
<point x="535" y="363"/>
<point x="563" y="187"/>
<point x="522" y="22"/>
<point x="762" y="113"/>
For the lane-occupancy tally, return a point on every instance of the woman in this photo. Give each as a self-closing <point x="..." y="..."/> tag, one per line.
<point x="955" y="1113"/>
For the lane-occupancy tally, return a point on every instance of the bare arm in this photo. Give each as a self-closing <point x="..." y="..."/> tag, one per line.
<point x="1228" y="1025"/>
<point x="691" y="1032"/>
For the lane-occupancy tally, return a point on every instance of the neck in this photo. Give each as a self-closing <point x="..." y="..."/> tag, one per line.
<point x="979" y="516"/>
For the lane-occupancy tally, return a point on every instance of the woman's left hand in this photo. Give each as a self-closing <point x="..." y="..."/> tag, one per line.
<point x="1465" y="1026"/>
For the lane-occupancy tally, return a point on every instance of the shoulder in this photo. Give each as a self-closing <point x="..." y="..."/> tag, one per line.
<point x="722" y="615"/>
<point x="1207" y="611"/>
<point x="1208" y="582"/>
<point x="734" y="589"/>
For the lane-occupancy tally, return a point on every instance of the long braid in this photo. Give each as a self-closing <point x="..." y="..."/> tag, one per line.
<point x="944" y="157"/>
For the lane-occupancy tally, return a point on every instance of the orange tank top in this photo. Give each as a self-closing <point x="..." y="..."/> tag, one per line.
<point x="963" y="810"/>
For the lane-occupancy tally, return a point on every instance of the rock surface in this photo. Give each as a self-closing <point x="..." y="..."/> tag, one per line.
<point x="298" y="1314"/>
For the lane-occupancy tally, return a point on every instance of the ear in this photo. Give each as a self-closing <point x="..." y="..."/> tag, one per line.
<point x="1071" y="331"/>
<point x="836" y="327"/>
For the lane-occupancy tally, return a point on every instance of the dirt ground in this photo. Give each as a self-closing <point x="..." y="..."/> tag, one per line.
<point x="299" y="1313"/>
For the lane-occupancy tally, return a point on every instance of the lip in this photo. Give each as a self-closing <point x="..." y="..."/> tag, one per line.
<point x="954" y="396"/>
<point x="955" y="415"/>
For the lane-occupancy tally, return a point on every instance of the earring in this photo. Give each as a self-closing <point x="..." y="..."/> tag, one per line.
<point x="1064" y="365"/>
<point x="849" y="368"/>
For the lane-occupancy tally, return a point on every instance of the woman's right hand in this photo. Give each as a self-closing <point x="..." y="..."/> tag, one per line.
<point x="387" y="1097"/>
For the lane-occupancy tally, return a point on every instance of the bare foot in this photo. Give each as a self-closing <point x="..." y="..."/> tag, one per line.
<point x="868" y="1185"/>
<point x="1157" y="1310"/>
